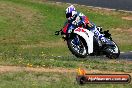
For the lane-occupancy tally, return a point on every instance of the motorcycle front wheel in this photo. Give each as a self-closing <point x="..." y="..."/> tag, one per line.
<point x="78" y="49"/>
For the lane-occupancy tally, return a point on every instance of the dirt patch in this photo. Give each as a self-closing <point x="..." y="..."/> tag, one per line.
<point x="9" y="69"/>
<point x="118" y="61"/>
<point x="123" y="30"/>
<point x="14" y="11"/>
<point x="127" y="18"/>
<point x="45" y="45"/>
<point x="126" y="33"/>
<point x="4" y="69"/>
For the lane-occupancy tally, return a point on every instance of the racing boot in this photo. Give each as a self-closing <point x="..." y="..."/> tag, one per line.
<point x="101" y="37"/>
<point x="105" y="41"/>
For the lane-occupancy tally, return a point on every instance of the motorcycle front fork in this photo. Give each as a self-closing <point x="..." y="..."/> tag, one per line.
<point x="76" y="40"/>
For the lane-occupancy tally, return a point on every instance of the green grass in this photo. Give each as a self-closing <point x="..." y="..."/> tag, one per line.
<point x="48" y="80"/>
<point x="27" y="38"/>
<point x="70" y="62"/>
<point x="27" y="34"/>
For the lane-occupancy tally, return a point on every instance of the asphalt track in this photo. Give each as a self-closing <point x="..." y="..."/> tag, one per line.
<point x="126" y="55"/>
<point x="112" y="4"/>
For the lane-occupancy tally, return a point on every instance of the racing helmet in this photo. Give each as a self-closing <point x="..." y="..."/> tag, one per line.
<point x="70" y="12"/>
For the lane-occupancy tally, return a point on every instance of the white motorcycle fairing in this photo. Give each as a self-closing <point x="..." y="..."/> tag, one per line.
<point x="88" y="37"/>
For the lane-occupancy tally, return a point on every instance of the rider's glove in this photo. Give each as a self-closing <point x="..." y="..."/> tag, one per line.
<point x="82" y="23"/>
<point x="90" y="26"/>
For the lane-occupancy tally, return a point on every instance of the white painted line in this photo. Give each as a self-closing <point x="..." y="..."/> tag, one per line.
<point x="130" y="51"/>
<point x="59" y="2"/>
<point x="75" y="4"/>
<point x="59" y="56"/>
<point x="83" y="5"/>
<point x="122" y="52"/>
<point x="90" y="6"/>
<point x="125" y="11"/>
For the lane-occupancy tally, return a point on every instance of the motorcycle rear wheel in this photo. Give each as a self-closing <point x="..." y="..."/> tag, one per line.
<point x="113" y="52"/>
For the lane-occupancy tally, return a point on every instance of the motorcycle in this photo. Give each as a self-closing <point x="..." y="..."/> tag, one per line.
<point x="82" y="42"/>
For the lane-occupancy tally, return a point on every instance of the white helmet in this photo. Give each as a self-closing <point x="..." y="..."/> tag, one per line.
<point x="70" y="12"/>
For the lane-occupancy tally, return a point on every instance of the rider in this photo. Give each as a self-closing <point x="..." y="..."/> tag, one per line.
<point x="77" y="18"/>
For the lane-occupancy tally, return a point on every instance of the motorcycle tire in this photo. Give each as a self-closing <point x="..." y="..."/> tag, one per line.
<point x="111" y="54"/>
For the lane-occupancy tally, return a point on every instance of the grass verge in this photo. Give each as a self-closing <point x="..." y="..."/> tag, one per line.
<point x="47" y="80"/>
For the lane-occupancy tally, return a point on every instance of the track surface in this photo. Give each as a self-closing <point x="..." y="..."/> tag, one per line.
<point x="112" y="4"/>
<point x="126" y="55"/>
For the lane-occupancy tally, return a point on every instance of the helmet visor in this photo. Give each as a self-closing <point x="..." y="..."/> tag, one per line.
<point x="68" y="15"/>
